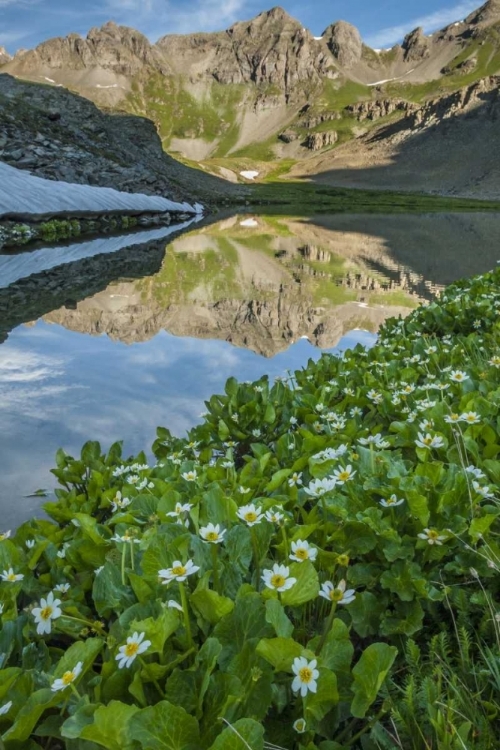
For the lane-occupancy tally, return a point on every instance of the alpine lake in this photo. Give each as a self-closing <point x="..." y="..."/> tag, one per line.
<point x="109" y="338"/>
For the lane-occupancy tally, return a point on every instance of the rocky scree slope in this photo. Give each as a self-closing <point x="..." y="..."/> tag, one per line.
<point x="58" y="135"/>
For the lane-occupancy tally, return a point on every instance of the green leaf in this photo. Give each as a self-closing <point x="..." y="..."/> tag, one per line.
<point x="241" y="735"/>
<point x="366" y="611"/>
<point x="277" y="479"/>
<point x="164" y="727"/>
<point x="280" y="652"/>
<point x="109" y="726"/>
<point x="337" y="651"/>
<point x="404" y="579"/>
<point x="109" y="593"/>
<point x="27" y="718"/>
<point x="275" y="616"/>
<point x="157" y="629"/>
<point x="306" y="586"/>
<point x="369" y="675"/>
<point x="325" y="698"/>
<point x="210" y="605"/>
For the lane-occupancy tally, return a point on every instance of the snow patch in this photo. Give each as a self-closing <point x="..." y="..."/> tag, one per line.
<point x="249" y="174"/>
<point x="22" y="265"/>
<point x="249" y="223"/>
<point x="111" y="86"/>
<point x="22" y="193"/>
<point x="50" y="80"/>
<point x="389" y="80"/>
<point x="318" y="38"/>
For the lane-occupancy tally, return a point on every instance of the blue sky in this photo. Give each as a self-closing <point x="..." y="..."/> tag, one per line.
<point x="24" y="23"/>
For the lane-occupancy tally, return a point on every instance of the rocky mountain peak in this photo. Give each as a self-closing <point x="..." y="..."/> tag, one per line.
<point x="344" y="42"/>
<point x="416" y="46"/>
<point x="486" y="14"/>
<point x="274" y="21"/>
<point x="4" y="56"/>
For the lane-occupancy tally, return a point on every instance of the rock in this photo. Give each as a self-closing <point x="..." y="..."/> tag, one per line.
<point x="288" y="136"/>
<point x="374" y="110"/>
<point x="416" y="46"/>
<point x="4" y="56"/>
<point x="344" y="42"/>
<point x="317" y="141"/>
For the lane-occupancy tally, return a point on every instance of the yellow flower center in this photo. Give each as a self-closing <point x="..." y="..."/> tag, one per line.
<point x="432" y="534"/>
<point x="302" y="553"/>
<point x="278" y="580"/>
<point x="336" y="595"/>
<point x="344" y="476"/>
<point x="471" y="418"/>
<point x="343" y="560"/>
<point x="306" y="675"/>
<point x="46" y="613"/>
<point x="179" y="570"/>
<point x="427" y="441"/>
<point x="212" y="536"/>
<point x="131" y="649"/>
<point x="68" y="678"/>
<point x="11" y="577"/>
<point x="250" y="517"/>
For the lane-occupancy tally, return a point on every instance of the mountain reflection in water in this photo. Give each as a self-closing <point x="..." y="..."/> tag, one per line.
<point x="180" y="318"/>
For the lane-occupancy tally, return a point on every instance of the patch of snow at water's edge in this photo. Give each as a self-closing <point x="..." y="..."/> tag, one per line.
<point x="249" y="174"/>
<point x="23" y="194"/>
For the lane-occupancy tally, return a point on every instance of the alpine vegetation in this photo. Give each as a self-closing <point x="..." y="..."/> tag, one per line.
<point x="319" y="573"/>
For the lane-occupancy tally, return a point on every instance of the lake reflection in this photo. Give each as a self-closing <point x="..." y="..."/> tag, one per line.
<point x="115" y="343"/>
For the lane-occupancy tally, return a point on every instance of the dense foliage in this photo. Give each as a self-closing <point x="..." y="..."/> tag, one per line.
<point x="315" y="566"/>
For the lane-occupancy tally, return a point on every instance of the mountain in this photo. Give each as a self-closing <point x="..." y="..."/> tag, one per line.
<point x="266" y="90"/>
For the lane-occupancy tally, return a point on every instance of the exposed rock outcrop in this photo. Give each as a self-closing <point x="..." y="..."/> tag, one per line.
<point x="374" y="110"/>
<point x="416" y="46"/>
<point x="344" y="42"/>
<point x="4" y="56"/>
<point x="318" y="141"/>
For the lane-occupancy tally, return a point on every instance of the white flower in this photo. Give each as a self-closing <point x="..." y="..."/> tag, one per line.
<point x="300" y="726"/>
<point x="126" y="537"/>
<point x="295" y="479"/>
<point x="212" y="534"/>
<point x="243" y="490"/>
<point x="178" y="572"/>
<point x="471" y="417"/>
<point x="250" y="514"/>
<point x="376" y="440"/>
<point x="227" y="465"/>
<point x="458" y="376"/>
<point x="319" y="487"/>
<point x="375" y="396"/>
<point x="5" y="535"/>
<point x="172" y="604"/>
<point x="62" y="587"/>
<point x="135" y="645"/>
<point x="10" y="576"/>
<point x="30" y="543"/>
<point x="120" y="502"/>
<point x="180" y="510"/>
<point x="189" y="476"/>
<point x="426" y="425"/>
<point x="44" y="614"/>
<point x="429" y="441"/>
<point x="67" y="678"/>
<point x="256" y="432"/>
<point x="302" y="550"/>
<point x="343" y="475"/>
<point x="338" y="594"/>
<point x="5" y="708"/>
<point x="452" y="418"/>
<point x="306" y="675"/>
<point x="494" y="361"/>
<point x="278" y="578"/>
<point x="274" y="516"/>
<point x="356" y="411"/>
<point x="483" y="491"/>
<point x="477" y="473"/>
<point x="293" y="421"/>
<point x="432" y="536"/>
<point x="391" y="502"/>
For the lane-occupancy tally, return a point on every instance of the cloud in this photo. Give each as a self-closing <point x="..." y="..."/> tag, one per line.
<point x="157" y="17"/>
<point x="440" y="18"/>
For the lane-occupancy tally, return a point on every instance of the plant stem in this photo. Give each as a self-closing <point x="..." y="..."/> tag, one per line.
<point x="75" y="691"/>
<point x="124" y="552"/>
<point x="328" y="626"/>
<point x="153" y="679"/>
<point x="132" y="555"/>
<point x="256" y="556"/>
<point x="215" y="561"/>
<point x="185" y="609"/>
<point x="285" y="541"/>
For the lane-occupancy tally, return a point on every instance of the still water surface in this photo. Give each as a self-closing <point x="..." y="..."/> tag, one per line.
<point x="110" y="338"/>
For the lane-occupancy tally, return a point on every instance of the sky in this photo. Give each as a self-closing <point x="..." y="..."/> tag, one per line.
<point x="25" y="23"/>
